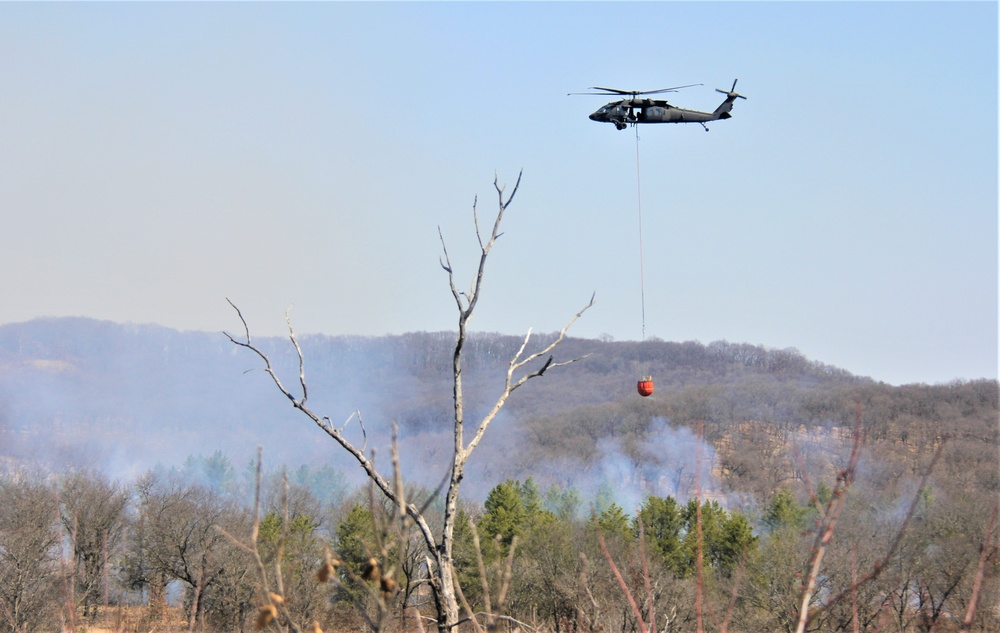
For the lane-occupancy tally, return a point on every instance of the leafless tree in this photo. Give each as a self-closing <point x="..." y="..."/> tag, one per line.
<point x="93" y="514"/>
<point x="523" y="366"/>
<point x="180" y="541"/>
<point x="29" y="557"/>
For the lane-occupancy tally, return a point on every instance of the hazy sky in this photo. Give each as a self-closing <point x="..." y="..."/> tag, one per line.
<point x="158" y="158"/>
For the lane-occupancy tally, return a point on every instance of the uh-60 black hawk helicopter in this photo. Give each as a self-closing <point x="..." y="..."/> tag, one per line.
<point x="632" y="110"/>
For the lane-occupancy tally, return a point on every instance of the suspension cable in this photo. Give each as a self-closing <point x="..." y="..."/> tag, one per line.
<point x="642" y="277"/>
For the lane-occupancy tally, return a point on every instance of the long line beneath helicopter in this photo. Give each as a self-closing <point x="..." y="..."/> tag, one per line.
<point x="642" y="276"/>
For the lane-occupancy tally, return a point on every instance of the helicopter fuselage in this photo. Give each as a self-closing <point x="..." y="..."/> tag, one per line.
<point x="632" y="111"/>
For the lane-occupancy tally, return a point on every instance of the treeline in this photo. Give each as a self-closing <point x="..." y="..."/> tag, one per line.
<point x="77" y="547"/>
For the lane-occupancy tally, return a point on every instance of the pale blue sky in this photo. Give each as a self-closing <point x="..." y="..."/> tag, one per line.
<point x="158" y="158"/>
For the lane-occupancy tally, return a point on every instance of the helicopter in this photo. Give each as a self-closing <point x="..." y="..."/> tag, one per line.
<point x="632" y="110"/>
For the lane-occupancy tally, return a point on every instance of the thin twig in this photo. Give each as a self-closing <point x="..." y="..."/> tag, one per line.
<point x="621" y="582"/>
<point x="508" y="569"/>
<point x="482" y="568"/>
<point x="827" y="526"/>
<point x="465" y="603"/>
<point x="986" y="551"/>
<point x="699" y="563"/>
<point x="650" y="602"/>
<point x="737" y="579"/>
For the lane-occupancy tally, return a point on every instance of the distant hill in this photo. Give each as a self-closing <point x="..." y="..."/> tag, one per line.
<point x="125" y="397"/>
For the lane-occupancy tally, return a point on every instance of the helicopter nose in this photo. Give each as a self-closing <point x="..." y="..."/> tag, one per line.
<point x="595" y="116"/>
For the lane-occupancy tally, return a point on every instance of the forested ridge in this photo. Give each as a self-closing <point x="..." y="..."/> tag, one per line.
<point x="138" y="437"/>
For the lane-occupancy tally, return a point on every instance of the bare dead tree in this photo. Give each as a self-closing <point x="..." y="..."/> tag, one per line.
<point x="523" y="367"/>
<point x="93" y="518"/>
<point x="31" y="566"/>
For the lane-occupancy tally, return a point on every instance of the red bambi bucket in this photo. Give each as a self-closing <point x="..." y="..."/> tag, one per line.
<point x="645" y="386"/>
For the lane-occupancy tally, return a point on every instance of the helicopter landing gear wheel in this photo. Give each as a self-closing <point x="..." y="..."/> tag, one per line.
<point x="620" y="126"/>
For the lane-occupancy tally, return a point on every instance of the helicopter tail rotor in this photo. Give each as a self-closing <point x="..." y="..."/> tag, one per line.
<point x="722" y="112"/>
<point x="731" y="93"/>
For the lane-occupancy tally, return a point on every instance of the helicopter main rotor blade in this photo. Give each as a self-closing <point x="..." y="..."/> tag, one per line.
<point x="674" y="89"/>
<point x="634" y="93"/>
<point x="614" y="91"/>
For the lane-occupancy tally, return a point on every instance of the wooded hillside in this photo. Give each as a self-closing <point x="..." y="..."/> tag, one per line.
<point x="135" y="396"/>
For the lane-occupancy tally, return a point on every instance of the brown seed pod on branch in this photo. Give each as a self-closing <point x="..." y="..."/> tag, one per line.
<point x="370" y="571"/>
<point x="265" y="616"/>
<point x="387" y="586"/>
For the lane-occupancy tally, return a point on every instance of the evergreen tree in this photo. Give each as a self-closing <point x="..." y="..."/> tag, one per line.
<point x="784" y="511"/>
<point x="605" y="496"/>
<point x="327" y="484"/>
<point x="614" y="524"/>
<point x="671" y="533"/>
<point x="531" y="499"/>
<point x="664" y="526"/>
<point x="563" y="503"/>
<point x="356" y="537"/>
<point x="725" y="537"/>
<point x="506" y="516"/>
<point x="466" y="565"/>
<point x="738" y="540"/>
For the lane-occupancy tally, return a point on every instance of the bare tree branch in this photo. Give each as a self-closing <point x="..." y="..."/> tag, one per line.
<point x="298" y="352"/>
<point x="989" y="547"/>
